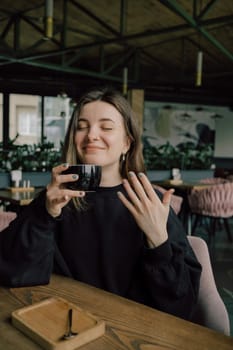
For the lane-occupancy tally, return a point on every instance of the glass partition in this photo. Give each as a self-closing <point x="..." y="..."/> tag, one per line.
<point x="57" y="112"/>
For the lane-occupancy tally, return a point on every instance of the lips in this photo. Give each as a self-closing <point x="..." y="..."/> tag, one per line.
<point x="90" y="148"/>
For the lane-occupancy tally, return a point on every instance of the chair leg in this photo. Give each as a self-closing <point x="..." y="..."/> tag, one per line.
<point x="227" y="227"/>
<point x="197" y="218"/>
<point x="212" y="229"/>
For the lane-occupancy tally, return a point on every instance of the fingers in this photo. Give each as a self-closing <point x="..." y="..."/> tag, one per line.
<point x="149" y="212"/>
<point x="140" y="193"/>
<point x="142" y="187"/>
<point x="140" y="190"/>
<point x="131" y="193"/>
<point x="62" y="195"/>
<point x="59" y="168"/>
<point x="167" y="197"/>
<point x="57" y="198"/>
<point x="58" y="178"/>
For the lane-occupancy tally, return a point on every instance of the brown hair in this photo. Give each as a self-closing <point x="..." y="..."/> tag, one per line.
<point x="133" y="158"/>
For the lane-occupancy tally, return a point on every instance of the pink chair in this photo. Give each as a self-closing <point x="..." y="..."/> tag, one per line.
<point x="211" y="312"/>
<point x="176" y="201"/>
<point x="5" y="218"/>
<point x="214" y="202"/>
<point x="213" y="181"/>
<point x="230" y="177"/>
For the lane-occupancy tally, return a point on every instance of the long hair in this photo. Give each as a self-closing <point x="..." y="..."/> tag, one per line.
<point x="133" y="159"/>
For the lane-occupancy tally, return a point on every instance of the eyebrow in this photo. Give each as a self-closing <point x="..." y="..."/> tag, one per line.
<point x="100" y="120"/>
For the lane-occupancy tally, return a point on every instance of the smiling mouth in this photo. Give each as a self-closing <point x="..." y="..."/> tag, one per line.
<point x="92" y="148"/>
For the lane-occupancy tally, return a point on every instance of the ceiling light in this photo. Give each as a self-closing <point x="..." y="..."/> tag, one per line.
<point x="199" y="68"/>
<point x="48" y="19"/>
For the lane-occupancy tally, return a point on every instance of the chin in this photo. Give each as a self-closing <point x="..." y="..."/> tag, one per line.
<point x="92" y="160"/>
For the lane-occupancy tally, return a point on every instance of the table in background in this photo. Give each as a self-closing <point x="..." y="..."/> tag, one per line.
<point x="17" y="198"/>
<point x="129" y="325"/>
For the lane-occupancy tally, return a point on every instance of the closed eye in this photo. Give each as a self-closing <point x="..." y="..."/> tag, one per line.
<point x="82" y="126"/>
<point x="105" y="128"/>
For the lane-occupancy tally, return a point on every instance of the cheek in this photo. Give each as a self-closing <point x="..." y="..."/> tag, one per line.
<point x="78" y="141"/>
<point x="112" y="141"/>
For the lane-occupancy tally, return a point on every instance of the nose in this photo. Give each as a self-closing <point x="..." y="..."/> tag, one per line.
<point x="92" y="134"/>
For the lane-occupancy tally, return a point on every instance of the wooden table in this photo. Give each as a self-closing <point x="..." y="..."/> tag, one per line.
<point x="183" y="186"/>
<point x="18" y="198"/>
<point x="129" y="325"/>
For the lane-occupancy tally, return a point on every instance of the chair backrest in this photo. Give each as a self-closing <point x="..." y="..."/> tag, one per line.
<point x="176" y="201"/>
<point x="211" y="312"/>
<point x="213" y="180"/>
<point x="5" y="218"/>
<point x="214" y="200"/>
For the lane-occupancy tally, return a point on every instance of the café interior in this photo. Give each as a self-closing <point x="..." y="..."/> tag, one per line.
<point x="173" y="62"/>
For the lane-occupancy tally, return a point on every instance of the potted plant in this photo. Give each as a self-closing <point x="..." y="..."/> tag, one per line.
<point x="195" y="162"/>
<point x="35" y="161"/>
<point x="160" y="160"/>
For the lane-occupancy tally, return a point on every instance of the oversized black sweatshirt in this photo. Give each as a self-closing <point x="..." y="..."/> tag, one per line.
<point x="102" y="246"/>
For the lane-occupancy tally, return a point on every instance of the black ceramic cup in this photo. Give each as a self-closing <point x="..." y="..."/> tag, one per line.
<point x="89" y="176"/>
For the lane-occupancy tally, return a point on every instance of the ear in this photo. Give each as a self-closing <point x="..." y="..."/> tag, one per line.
<point x="127" y="144"/>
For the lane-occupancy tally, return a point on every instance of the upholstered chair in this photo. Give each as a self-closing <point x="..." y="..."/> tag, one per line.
<point x="5" y="218"/>
<point x="214" y="202"/>
<point x="213" y="180"/>
<point x="176" y="201"/>
<point x="211" y="312"/>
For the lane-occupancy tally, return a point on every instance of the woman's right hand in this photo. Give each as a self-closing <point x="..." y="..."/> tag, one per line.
<point x="57" y="195"/>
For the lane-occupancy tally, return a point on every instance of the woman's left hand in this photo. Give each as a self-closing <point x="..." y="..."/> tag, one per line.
<point x="149" y="211"/>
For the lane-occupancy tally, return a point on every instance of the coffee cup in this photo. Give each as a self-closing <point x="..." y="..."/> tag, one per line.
<point x="89" y="176"/>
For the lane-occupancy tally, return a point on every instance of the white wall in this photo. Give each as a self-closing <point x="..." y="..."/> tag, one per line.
<point x="165" y="122"/>
<point x="224" y="136"/>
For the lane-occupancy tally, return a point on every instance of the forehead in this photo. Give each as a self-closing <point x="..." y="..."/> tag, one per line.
<point x="100" y="110"/>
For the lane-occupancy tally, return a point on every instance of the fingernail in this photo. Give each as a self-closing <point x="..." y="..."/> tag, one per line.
<point x="131" y="173"/>
<point x="65" y="165"/>
<point x="74" y="177"/>
<point x="140" y="174"/>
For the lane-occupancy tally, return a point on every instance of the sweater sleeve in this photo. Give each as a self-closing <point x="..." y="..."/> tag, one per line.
<point x="171" y="272"/>
<point x="27" y="247"/>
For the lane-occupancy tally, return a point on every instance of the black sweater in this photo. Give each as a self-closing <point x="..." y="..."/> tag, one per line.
<point x="102" y="246"/>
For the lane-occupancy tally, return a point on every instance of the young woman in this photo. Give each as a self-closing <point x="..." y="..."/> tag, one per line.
<point x="123" y="238"/>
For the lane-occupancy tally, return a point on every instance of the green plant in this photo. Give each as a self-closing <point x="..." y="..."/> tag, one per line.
<point x="37" y="157"/>
<point x="185" y="156"/>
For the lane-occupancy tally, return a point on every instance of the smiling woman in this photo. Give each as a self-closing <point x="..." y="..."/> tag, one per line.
<point x="123" y="237"/>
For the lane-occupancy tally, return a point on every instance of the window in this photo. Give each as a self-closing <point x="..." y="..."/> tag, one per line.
<point x="57" y="112"/>
<point x="25" y="118"/>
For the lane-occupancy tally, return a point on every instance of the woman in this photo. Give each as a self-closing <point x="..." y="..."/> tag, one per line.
<point x="122" y="238"/>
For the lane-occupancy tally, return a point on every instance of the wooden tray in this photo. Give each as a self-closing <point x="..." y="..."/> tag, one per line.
<point x="21" y="189"/>
<point x="175" y="182"/>
<point x="47" y="321"/>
